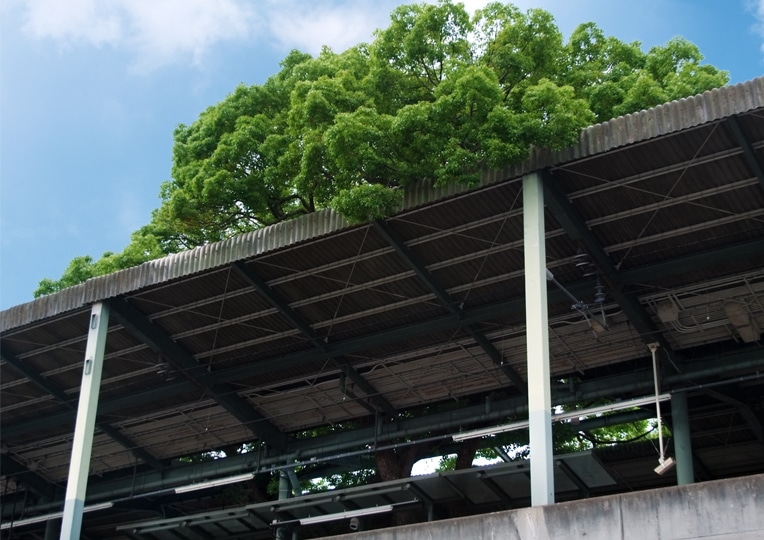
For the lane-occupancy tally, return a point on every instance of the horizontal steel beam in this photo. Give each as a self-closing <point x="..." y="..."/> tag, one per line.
<point x="374" y="396"/>
<point x="185" y="364"/>
<point x="49" y="387"/>
<point x="748" y="151"/>
<point x="353" y="443"/>
<point x="570" y="219"/>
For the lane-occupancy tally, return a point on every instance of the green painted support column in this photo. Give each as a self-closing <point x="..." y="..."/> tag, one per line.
<point x="52" y="529"/>
<point x="680" y="429"/>
<point x="537" y="334"/>
<point x="284" y="489"/>
<point x="82" y="444"/>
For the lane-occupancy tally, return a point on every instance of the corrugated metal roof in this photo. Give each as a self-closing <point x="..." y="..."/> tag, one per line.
<point x="313" y="322"/>
<point x="626" y="130"/>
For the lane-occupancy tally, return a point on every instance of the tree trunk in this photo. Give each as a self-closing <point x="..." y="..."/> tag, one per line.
<point x="396" y="463"/>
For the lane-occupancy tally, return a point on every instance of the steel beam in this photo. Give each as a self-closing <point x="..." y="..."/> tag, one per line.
<point x="743" y="410"/>
<point x="696" y="261"/>
<point x="374" y="396"/>
<point x="296" y="359"/>
<point x="343" y="445"/>
<point x="680" y="429"/>
<point x="185" y="364"/>
<point x="745" y="144"/>
<point x="573" y="477"/>
<point x="82" y="443"/>
<point x="36" y="483"/>
<point x="392" y="238"/>
<point x="575" y="226"/>
<point x="537" y="339"/>
<point x="494" y="488"/>
<point x="53" y="389"/>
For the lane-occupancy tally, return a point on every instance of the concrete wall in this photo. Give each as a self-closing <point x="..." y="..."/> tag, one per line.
<point x="724" y="509"/>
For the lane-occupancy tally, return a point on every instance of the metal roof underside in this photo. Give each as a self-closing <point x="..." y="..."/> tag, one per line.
<point x="314" y="323"/>
<point x="487" y="488"/>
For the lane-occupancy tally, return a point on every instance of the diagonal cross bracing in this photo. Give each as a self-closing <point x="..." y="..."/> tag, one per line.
<point x="33" y="481"/>
<point x="53" y="389"/>
<point x="575" y="226"/>
<point x="379" y="402"/>
<point x="158" y="340"/>
<point x="424" y="275"/>
<point x="748" y="151"/>
<point x="675" y="266"/>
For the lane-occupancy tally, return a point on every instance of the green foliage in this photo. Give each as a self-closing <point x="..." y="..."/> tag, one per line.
<point x="145" y="246"/>
<point x="617" y="78"/>
<point x="367" y="202"/>
<point x="436" y="97"/>
<point x="341" y="480"/>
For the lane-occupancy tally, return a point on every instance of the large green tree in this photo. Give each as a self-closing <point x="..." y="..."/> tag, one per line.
<point x="436" y="96"/>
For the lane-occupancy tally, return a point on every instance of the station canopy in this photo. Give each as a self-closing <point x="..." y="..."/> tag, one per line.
<point x="318" y="342"/>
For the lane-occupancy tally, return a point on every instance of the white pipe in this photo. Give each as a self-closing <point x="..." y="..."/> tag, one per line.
<point x="653" y="348"/>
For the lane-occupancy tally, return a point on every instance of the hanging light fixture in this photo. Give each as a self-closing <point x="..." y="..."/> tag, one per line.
<point x="664" y="463"/>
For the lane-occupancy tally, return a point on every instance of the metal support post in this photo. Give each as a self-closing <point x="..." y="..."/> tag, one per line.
<point x="285" y="491"/>
<point x="537" y="334"/>
<point x="52" y="528"/>
<point x="680" y="429"/>
<point x="82" y="444"/>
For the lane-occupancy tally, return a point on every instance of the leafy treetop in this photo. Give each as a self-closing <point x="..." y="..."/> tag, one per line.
<point x="435" y="97"/>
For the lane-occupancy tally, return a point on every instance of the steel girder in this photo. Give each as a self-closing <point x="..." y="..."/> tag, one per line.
<point x="575" y="226"/>
<point x="185" y="364"/>
<point x="52" y="389"/>
<point x="745" y="144"/>
<point x="375" y="397"/>
<point x="344" y="444"/>
<point x="392" y="238"/>
<point x="514" y="306"/>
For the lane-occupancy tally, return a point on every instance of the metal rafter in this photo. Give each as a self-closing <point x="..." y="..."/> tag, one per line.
<point x="573" y="477"/>
<point x="374" y="396"/>
<point x="185" y="364"/>
<point x="392" y="238"/>
<point x="748" y="151"/>
<point x="36" y="483"/>
<point x="53" y="389"/>
<point x="744" y="410"/>
<point x="635" y="383"/>
<point x="696" y="261"/>
<point x="575" y="226"/>
<point x="349" y="346"/>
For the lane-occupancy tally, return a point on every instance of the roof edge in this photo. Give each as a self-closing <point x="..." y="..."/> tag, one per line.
<point x="175" y="266"/>
<point x="659" y="121"/>
<point x="665" y="119"/>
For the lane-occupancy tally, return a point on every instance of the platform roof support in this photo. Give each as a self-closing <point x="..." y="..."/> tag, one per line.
<point x="184" y="363"/>
<point x="384" y="229"/>
<point x="82" y="445"/>
<point x="680" y="429"/>
<point x="537" y="335"/>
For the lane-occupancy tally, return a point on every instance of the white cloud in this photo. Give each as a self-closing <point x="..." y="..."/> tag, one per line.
<point x="96" y="23"/>
<point x="163" y="32"/>
<point x="309" y="26"/>
<point x="338" y="24"/>
<point x="156" y="32"/>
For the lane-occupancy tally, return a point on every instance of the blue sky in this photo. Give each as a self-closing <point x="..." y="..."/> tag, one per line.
<point x="91" y="91"/>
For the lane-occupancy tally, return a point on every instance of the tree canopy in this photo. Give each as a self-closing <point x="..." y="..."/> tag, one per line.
<point x="436" y="97"/>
